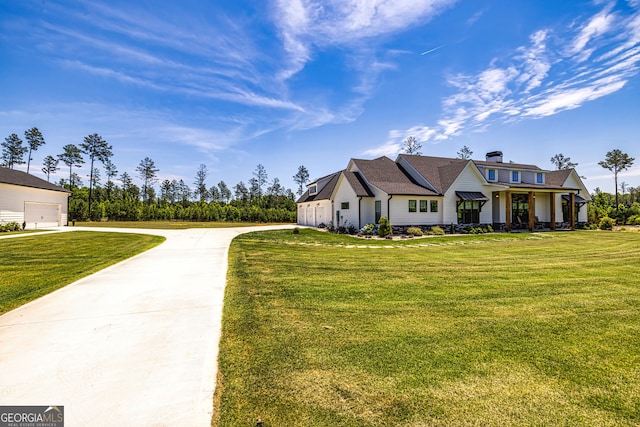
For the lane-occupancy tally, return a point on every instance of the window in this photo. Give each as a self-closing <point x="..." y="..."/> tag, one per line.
<point x="313" y="189"/>
<point x="515" y="176"/>
<point x="434" y="206"/>
<point x="539" y="178"/>
<point x="378" y="211"/>
<point x="491" y="175"/>
<point x="412" y="205"/>
<point x="423" y="206"/>
<point x="344" y="205"/>
<point x="469" y="212"/>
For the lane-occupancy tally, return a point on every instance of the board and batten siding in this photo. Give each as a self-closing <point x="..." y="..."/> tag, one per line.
<point x="43" y="208"/>
<point x="470" y="179"/>
<point x="573" y="182"/>
<point x="345" y="194"/>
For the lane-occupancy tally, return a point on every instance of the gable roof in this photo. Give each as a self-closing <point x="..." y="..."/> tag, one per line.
<point x="389" y="177"/>
<point x="23" y="179"/>
<point x="358" y="184"/>
<point x="440" y="172"/>
<point x="558" y="177"/>
<point x="325" y="192"/>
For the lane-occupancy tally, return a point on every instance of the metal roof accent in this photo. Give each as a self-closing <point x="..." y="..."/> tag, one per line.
<point x="472" y="195"/>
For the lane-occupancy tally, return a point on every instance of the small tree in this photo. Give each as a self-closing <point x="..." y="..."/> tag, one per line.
<point x="225" y="192"/>
<point x="616" y="161"/>
<point x="384" y="229"/>
<point x="412" y="146"/>
<point x="301" y="178"/>
<point x="465" y="153"/>
<point x="97" y="149"/>
<point x="260" y="176"/>
<point x="200" y="182"/>
<point x="561" y="162"/>
<point x="72" y="156"/>
<point x="147" y="172"/>
<point x="50" y="164"/>
<point x="13" y="151"/>
<point x="34" y="140"/>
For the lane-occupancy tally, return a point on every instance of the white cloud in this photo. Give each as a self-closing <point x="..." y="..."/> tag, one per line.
<point x="543" y="78"/>
<point x="309" y="24"/>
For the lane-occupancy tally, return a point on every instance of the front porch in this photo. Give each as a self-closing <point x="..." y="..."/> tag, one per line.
<point x="536" y="210"/>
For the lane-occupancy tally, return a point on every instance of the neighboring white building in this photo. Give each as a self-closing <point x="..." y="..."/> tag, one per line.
<point x="28" y="199"/>
<point x="427" y="191"/>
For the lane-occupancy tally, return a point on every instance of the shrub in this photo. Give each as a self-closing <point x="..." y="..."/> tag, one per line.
<point x="296" y="230"/>
<point x="368" y="230"/>
<point x="414" y="231"/>
<point x="351" y="229"/>
<point x="437" y="230"/>
<point x="384" y="229"/>
<point x="606" y="223"/>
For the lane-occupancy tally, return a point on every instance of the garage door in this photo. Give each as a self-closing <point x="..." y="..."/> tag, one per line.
<point x="40" y="215"/>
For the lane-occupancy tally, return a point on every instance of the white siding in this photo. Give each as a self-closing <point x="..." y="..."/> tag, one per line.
<point x="14" y="199"/>
<point x="574" y="182"/>
<point x="345" y="194"/>
<point x="400" y="215"/>
<point x="468" y="180"/>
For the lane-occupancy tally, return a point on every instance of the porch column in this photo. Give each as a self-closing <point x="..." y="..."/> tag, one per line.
<point x="507" y="197"/>
<point x="531" y="211"/>
<point x="552" y="205"/>
<point x="572" y="211"/>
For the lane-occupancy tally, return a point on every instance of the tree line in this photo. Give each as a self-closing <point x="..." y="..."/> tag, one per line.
<point x="260" y="200"/>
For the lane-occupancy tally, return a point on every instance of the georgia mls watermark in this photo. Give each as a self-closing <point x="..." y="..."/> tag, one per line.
<point x="31" y="416"/>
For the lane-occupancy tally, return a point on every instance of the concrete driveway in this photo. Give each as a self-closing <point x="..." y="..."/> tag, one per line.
<point x="135" y="344"/>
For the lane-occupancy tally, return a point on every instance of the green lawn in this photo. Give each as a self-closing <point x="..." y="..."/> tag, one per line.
<point x="32" y="266"/>
<point x="166" y="225"/>
<point x="488" y="330"/>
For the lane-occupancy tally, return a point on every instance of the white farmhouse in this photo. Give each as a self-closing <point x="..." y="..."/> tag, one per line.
<point x="426" y="191"/>
<point x="28" y="199"/>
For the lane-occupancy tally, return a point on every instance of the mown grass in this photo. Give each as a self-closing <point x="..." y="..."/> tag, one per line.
<point x="32" y="266"/>
<point x="165" y="225"/>
<point x="491" y="330"/>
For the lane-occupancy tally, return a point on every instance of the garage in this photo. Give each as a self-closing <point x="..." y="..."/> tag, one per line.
<point x="31" y="201"/>
<point x="42" y="214"/>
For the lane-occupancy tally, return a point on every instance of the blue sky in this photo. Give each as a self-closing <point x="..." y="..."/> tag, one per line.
<point x="234" y="84"/>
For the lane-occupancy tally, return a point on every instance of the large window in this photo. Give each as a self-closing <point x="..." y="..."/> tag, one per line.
<point x="469" y="212"/>
<point x="423" y="206"/>
<point x="520" y="208"/>
<point x="412" y="205"/>
<point x="434" y="206"/>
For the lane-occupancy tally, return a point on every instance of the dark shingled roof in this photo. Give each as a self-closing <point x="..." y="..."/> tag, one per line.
<point x="23" y="179"/>
<point x="557" y="178"/>
<point x="324" y="193"/>
<point x="389" y="176"/>
<point x="358" y="184"/>
<point x="440" y="172"/>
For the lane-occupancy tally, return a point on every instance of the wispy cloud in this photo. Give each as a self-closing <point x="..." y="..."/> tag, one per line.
<point x="542" y="78"/>
<point x="309" y="24"/>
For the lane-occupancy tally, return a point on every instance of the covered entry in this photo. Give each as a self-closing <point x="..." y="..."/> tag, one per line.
<point x="38" y="215"/>
<point x="469" y="206"/>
